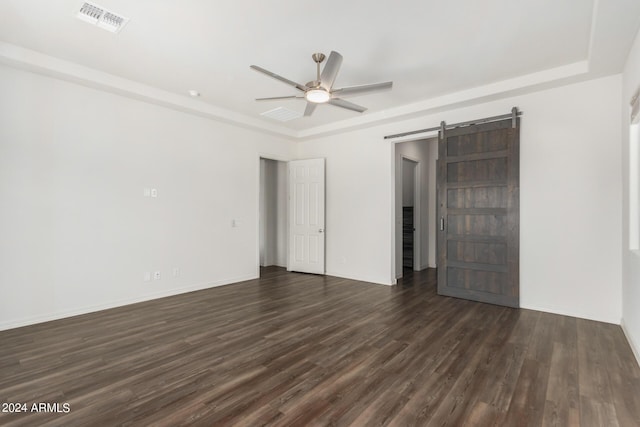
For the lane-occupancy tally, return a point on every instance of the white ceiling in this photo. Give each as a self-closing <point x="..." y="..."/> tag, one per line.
<point x="429" y="49"/>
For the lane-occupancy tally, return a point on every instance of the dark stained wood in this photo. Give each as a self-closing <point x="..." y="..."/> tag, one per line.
<point x="407" y="236"/>
<point x="478" y="199"/>
<point x="292" y="349"/>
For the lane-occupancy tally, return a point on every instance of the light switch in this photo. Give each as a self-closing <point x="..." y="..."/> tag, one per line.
<point x="147" y="192"/>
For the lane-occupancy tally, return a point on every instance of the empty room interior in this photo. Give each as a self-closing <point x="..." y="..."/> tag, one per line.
<point x="333" y="214"/>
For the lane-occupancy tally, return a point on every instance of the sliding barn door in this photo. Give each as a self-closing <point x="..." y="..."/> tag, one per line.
<point x="478" y="201"/>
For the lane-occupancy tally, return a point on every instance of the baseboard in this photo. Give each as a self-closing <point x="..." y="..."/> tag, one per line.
<point x="634" y="346"/>
<point x="359" y="279"/>
<point x="119" y="303"/>
<point x="274" y="264"/>
<point x="572" y="314"/>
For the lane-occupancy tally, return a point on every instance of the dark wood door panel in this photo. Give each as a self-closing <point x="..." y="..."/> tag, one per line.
<point x="494" y="168"/>
<point x="478" y="252"/>
<point x="477" y="225"/>
<point x="486" y="142"/>
<point x="477" y="280"/>
<point x="478" y="197"/>
<point x="478" y="192"/>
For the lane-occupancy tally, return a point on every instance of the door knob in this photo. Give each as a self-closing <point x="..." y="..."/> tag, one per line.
<point x="321" y="230"/>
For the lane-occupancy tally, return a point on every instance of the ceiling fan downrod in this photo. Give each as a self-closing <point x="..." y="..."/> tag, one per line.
<point x="318" y="58"/>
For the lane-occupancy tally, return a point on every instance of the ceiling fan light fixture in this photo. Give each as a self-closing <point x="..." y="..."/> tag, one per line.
<point x="320" y="90"/>
<point x="317" y="96"/>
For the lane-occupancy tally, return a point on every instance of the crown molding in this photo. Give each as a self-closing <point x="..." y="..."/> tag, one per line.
<point x="30" y="60"/>
<point x="33" y="61"/>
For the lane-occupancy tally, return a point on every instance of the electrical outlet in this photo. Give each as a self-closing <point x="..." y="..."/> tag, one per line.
<point x="154" y="192"/>
<point x="156" y="275"/>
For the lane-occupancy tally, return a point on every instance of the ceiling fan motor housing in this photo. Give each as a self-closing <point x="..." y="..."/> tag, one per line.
<point x="318" y="57"/>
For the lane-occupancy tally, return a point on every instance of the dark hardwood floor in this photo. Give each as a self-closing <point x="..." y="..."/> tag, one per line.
<point x="294" y="350"/>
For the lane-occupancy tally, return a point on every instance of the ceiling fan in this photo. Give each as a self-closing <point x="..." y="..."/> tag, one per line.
<point x="320" y="90"/>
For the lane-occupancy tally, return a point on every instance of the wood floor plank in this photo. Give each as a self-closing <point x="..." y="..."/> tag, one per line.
<point x="528" y="401"/>
<point x="293" y="349"/>
<point x="562" y="404"/>
<point x="622" y="373"/>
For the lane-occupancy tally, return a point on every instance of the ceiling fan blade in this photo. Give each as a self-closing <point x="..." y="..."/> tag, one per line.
<point x="310" y="109"/>
<point x="273" y="98"/>
<point x="362" y="89"/>
<point x="346" y="104"/>
<point x="330" y="70"/>
<point x="277" y="77"/>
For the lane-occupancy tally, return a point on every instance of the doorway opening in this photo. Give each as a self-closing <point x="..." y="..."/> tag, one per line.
<point x="273" y="222"/>
<point x="409" y="211"/>
<point x="415" y="205"/>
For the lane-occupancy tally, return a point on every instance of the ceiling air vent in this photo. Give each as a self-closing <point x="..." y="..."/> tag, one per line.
<point x="282" y="114"/>
<point x="103" y="18"/>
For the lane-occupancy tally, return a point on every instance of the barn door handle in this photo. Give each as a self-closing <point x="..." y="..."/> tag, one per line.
<point x="441" y="223"/>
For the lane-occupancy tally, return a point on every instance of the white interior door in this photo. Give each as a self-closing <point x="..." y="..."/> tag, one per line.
<point x="306" y="216"/>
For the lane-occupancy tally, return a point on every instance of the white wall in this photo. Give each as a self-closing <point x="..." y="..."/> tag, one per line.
<point x="358" y="205"/>
<point x="262" y="222"/>
<point x="570" y="197"/>
<point x="77" y="233"/>
<point x="408" y="182"/>
<point x="571" y="200"/>
<point x="432" y="218"/>
<point x="631" y="259"/>
<point x="282" y="214"/>
<point x="273" y="213"/>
